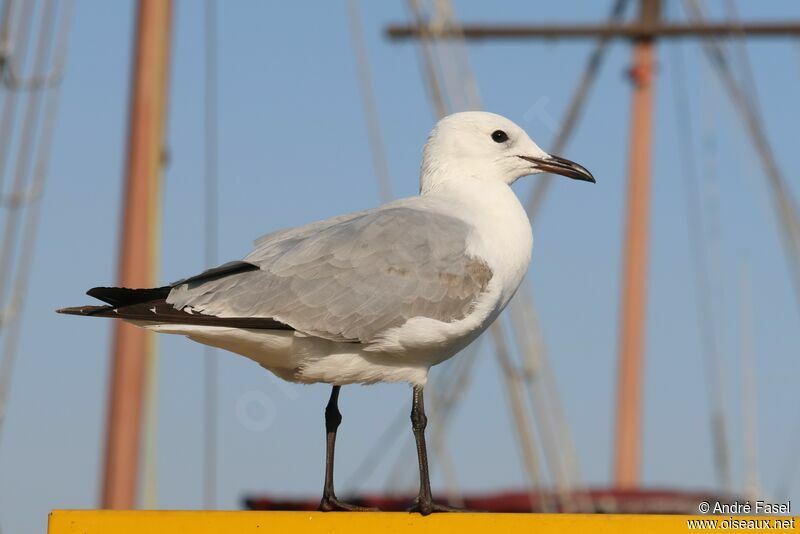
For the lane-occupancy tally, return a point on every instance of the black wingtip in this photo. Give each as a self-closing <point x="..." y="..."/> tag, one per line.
<point x="124" y="296"/>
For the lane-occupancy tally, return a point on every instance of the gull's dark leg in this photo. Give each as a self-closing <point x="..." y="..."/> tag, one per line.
<point x="424" y="503"/>
<point x="333" y="418"/>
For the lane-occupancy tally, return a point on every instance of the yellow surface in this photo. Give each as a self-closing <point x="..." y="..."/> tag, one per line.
<point x="167" y="522"/>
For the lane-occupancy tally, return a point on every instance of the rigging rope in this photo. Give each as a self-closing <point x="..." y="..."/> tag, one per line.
<point x="211" y="168"/>
<point x="784" y="205"/>
<point x="784" y="202"/>
<point x="5" y="35"/>
<point x="429" y="73"/>
<point x="576" y="104"/>
<point x="32" y="214"/>
<point x="752" y="483"/>
<point x="517" y="404"/>
<point x="557" y="443"/>
<point x="703" y="296"/>
<point x="24" y="155"/>
<point x="8" y="117"/>
<point x="368" y="100"/>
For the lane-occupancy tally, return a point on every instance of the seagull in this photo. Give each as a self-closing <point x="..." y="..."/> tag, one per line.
<point x="380" y="295"/>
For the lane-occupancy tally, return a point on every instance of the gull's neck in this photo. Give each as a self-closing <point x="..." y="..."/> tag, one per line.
<point x="502" y="230"/>
<point x="440" y="173"/>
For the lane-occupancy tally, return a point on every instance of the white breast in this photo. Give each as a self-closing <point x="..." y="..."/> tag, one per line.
<point x="502" y="231"/>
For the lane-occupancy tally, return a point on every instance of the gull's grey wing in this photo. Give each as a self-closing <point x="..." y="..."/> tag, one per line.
<point x="352" y="277"/>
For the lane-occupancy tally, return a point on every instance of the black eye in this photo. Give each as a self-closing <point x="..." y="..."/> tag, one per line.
<point x="499" y="136"/>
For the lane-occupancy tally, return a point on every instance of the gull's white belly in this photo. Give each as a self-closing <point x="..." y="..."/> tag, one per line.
<point x="415" y="347"/>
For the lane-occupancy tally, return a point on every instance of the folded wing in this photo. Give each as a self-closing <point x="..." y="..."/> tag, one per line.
<point x="350" y="278"/>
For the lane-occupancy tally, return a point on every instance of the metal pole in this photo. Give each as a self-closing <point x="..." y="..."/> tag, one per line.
<point x="137" y="253"/>
<point x="634" y="280"/>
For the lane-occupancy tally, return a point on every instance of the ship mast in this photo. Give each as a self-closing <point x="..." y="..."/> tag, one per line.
<point x="627" y="458"/>
<point x="138" y="255"/>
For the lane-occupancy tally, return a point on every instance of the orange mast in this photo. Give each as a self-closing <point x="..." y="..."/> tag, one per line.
<point x="634" y="277"/>
<point x="137" y="259"/>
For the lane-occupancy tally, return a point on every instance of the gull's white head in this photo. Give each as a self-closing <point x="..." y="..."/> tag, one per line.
<point x="486" y="146"/>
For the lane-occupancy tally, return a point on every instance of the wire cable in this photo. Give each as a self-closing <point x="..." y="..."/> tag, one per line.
<point x="433" y="85"/>
<point x="368" y="100"/>
<point x="556" y="447"/>
<point x="785" y="207"/>
<point x="5" y="34"/>
<point x="40" y="174"/>
<point x="24" y="156"/>
<point x="8" y="116"/>
<point x="211" y="169"/>
<point x="752" y="482"/>
<point x="576" y="105"/>
<point x="703" y="297"/>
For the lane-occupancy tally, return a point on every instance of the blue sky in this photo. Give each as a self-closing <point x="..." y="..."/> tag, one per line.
<point x="293" y="148"/>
